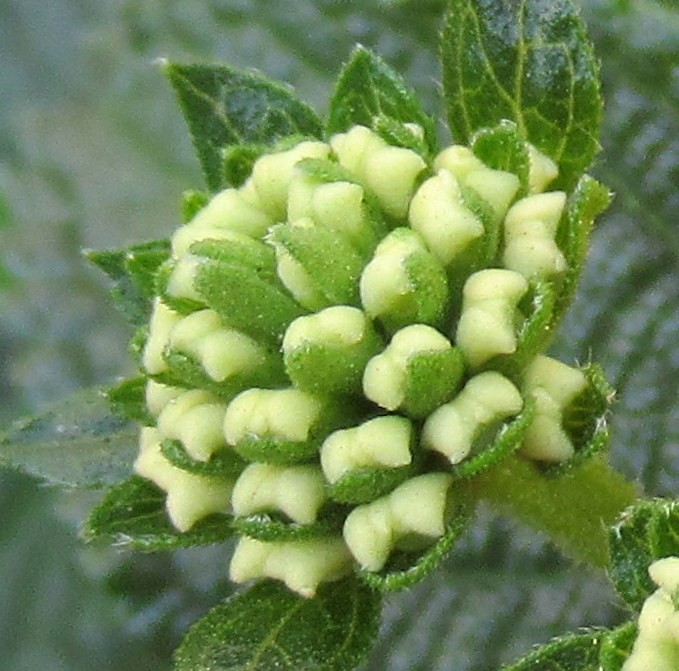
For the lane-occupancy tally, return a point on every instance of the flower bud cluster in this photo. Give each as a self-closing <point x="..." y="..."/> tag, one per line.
<point x="341" y="324"/>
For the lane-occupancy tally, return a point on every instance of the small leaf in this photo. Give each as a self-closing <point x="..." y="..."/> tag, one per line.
<point x="133" y="271"/>
<point x="404" y="569"/>
<point x="616" y="646"/>
<point x="269" y="628"/>
<point x="78" y="442"/>
<point x="531" y="63"/>
<point x="193" y="201"/>
<point x="223" y="464"/>
<point x="238" y="162"/>
<point x="646" y="532"/>
<point x="272" y="527"/>
<point x="368" y="88"/>
<point x="579" y="652"/>
<point x="133" y="514"/>
<point x="225" y="107"/>
<point x="366" y="484"/>
<point x="128" y="399"/>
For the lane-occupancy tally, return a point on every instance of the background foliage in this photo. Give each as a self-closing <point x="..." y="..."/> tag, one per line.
<point x="94" y="153"/>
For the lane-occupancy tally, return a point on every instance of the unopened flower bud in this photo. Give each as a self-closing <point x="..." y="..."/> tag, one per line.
<point x="439" y="215"/>
<point x="416" y="373"/>
<point x="487" y="325"/>
<point x="484" y="401"/>
<point x="404" y="283"/>
<point x="530" y="228"/>
<point x="163" y="320"/>
<point x="297" y="491"/>
<point x="554" y="386"/>
<point x="301" y="565"/>
<point x="190" y="497"/>
<point x="338" y="341"/>
<point x="415" y="508"/>
<point x="542" y="170"/>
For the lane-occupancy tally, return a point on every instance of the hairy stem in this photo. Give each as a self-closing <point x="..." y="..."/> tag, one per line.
<point x="574" y="509"/>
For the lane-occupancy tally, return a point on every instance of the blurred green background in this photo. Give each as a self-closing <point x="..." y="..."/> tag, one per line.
<point x="94" y="153"/>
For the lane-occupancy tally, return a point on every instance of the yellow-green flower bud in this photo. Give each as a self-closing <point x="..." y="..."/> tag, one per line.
<point x="338" y="341"/>
<point x="195" y="418"/>
<point x="190" y="497"/>
<point x="272" y="174"/>
<point x="554" y="386"/>
<point x="389" y="172"/>
<point x="335" y="206"/>
<point x="222" y="352"/>
<point x="404" y="283"/>
<point x="297" y="491"/>
<point x="487" y="325"/>
<point x="226" y="212"/>
<point x="301" y="565"/>
<point x="416" y="373"/>
<point x="383" y="442"/>
<point x="414" y="513"/>
<point x="496" y="187"/>
<point x="542" y="170"/>
<point x="484" y="401"/>
<point x="530" y="228"/>
<point x="159" y="395"/>
<point x="163" y="320"/>
<point x="439" y="215"/>
<point x="275" y="425"/>
<point x="657" y="643"/>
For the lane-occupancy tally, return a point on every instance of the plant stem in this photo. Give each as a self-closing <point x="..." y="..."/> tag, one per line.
<point x="574" y="509"/>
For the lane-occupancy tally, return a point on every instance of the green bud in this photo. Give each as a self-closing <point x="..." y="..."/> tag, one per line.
<point x="297" y="491"/>
<point x="227" y="212"/>
<point x="163" y="320"/>
<point x="338" y="341"/>
<point x="189" y="497"/>
<point x="195" y="418"/>
<point x="389" y="172"/>
<point x="485" y="400"/>
<point x="383" y="442"/>
<point x="542" y="170"/>
<point x="301" y="565"/>
<point x="413" y="514"/>
<point x="530" y="230"/>
<point x="554" y="386"/>
<point x="404" y="283"/>
<point x="496" y="187"/>
<point x="273" y="173"/>
<point x="277" y="426"/>
<point x="438" y="213"/>
<point x="657" y="643"/>
<point x="416" y="373"/>
<point x="336" y="206"/>
<point x="489" y="309"/>
<point x="318" y="266"/>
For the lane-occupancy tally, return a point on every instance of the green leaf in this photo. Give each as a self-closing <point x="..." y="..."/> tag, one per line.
<point x="616" y="646"/>
<point x="646" y="532"/>
<point x="225" y="107"/>
<point x="133" y="271"/>
<point x="128" y="399"/>
<point x="77" y="443"/>
<point x="268" y="627"/>
<point x="368" y="88"/>
<point x="132" y="514"/>
<point x="531" y="63"/>
<point x="272" y="527"/>
<point x="579" y="652"/>
<point x="223" y="464"/>
<point x="366" y="484"/>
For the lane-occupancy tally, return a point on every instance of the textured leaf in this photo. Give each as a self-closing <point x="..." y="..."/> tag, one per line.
<point x="221" y="464"/>
<point x="616" y="646"/>
<point x="77" y="442"/>
<point x="226" y="107"/>
<point x="571" y="653"/>
<point x="132" y="514"/>
<point x="530" y="62"/>
<point x="367" y="89"/>
<point x="647" y="531"/>
<point x="269" y="627"/>
<point x="133" y="272"/>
